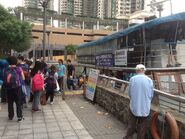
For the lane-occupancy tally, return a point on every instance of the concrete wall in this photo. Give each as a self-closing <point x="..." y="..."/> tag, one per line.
<point x="118" y="105"/>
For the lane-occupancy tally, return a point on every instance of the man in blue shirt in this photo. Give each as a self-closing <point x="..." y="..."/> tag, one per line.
<point x="141" y="94"/>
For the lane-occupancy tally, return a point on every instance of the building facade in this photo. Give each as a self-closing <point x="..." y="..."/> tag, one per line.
<point x="37" y="4"/>
<point x="72" y="7"/>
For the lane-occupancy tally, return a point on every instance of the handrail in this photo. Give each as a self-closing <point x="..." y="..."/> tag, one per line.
<point x="158" y="92"/>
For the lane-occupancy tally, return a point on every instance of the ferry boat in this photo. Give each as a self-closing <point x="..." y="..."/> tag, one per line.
<point x="159" y="44"/>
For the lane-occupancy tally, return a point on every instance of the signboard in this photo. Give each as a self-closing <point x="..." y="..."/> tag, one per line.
<point x="104" y="60"/>
<point x="120" y="57"/>
<point x="91" y="84"/>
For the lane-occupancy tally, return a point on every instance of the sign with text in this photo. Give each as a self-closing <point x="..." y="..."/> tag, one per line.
<point x="120" y="57"/>
<point x="91" y="84"/>
<point x="104" y="60"/>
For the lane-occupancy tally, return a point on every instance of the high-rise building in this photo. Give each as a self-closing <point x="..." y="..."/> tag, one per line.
<point x="106" y="8"/>
<point x="89" y="8"/>
<point x="78" y="7"/>
<point x="100" y="9"/>
<point x="127" y="7"/>
<point x="37" y="4"/>
<point x="73" y="7"/>
<point x="30" y="3"/>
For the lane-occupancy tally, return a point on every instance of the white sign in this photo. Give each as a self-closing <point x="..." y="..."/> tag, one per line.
<point x="91" y="84"/>
<point x="120" y="57"/>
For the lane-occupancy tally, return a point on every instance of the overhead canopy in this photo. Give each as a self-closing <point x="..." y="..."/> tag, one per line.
<point x="146" y="25"/>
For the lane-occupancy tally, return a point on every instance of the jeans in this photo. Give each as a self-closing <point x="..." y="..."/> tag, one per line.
<point x="36" y="100"/>
<point x="70" y="83"/>
<point x="61" y="82"/>
<point x="14" y="95"/>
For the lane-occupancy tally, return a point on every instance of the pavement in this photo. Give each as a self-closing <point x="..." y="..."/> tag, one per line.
<point x="72" y="118"/>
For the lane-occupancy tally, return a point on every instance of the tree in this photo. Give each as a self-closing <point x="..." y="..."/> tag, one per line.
<point x="71" y="49"/>
<point x="14" y="34"/>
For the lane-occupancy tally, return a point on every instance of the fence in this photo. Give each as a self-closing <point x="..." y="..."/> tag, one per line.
<point x="165" y="100"/>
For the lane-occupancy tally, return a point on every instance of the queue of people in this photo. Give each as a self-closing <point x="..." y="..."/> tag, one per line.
<point x="22" y="84"/>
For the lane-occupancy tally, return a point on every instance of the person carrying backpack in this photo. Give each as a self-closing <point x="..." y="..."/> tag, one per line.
<point x="51" y="83"/>
<point x="37" y="85"/>
<point x="12" y="82"/>
<point x="26" y="82"/>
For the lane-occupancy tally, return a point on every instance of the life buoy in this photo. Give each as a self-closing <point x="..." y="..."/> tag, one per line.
<point x="171" y="122"/>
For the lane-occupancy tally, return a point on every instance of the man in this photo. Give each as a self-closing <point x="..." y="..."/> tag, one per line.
<point x="141" y="94"/>
<point x="70" y="75"/>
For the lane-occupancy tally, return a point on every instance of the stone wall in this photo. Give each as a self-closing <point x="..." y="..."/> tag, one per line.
<point x="118" y="105"/>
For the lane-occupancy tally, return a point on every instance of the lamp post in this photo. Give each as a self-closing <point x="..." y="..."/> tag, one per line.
<point x="44" y="4"/>
<point x="49" y="48"/>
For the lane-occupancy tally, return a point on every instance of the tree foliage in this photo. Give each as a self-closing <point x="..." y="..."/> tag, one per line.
<point x="14" y="34"/>
<point x="71" y="49"/>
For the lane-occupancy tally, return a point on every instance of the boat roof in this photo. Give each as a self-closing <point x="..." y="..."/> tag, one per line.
<point x="146" y="25"/>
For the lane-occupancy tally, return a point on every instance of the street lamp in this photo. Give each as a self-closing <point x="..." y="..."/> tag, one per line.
<point x="49" y="48"/>
<point x="44" y="4"/>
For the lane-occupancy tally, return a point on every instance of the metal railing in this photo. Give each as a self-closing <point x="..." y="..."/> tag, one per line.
<point x="165" y="100"/>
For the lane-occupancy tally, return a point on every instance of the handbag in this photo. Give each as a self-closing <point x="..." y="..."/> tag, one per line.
<point x="58" y="87"/>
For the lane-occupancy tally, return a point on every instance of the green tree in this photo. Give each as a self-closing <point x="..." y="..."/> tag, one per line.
<point x="71" y="49"/>
<point x="14" y="34"/>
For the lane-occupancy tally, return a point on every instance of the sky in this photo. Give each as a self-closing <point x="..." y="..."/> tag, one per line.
<point x="177" y="5"/>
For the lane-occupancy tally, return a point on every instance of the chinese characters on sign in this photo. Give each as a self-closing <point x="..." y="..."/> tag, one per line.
<point x="120" y="57"/>
<point x="105" y="60"/>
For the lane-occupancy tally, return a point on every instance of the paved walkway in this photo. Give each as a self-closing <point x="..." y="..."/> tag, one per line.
<point x="73" y="118"/>
<point x="99" y="123"/>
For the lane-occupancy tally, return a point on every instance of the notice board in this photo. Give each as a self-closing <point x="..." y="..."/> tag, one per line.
<point x="91" y="84"/>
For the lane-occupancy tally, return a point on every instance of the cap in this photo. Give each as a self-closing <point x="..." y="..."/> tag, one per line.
<point x="140" y="67"/>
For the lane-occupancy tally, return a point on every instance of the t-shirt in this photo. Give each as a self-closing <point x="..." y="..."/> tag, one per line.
<point x="61" y="70"/>
<point x="70" y="69"/>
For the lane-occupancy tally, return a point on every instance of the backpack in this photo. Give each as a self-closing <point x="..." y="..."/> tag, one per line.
<point x="12" y="78"/>
<point x="51" y="82"/>
<point x="3" y="68"/>
<point x="37" y="82"/>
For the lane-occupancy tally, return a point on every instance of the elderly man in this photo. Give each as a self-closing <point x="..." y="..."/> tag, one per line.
<point x="141" y="94"/>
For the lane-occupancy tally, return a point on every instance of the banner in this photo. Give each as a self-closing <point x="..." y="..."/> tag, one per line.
<point x="105" y="60"/>
<point x="91" y="84"/>
<point x="120" y="57"/>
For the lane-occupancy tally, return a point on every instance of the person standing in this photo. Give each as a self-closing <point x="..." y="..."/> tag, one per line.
<point x="12" y="82"/>
<point x="25" y="83"/>
<point x="51" y="83"/>
<point x="37" y="85"/>
<point x="70" y="75"/>
<point x="141" y="94"/>
<point x="61" y="74"/>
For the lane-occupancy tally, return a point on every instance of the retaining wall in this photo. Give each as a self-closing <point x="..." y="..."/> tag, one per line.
<point x="118" y="105"/>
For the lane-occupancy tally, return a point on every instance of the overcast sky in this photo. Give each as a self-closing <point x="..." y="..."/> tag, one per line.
<point x="177" y="5"/>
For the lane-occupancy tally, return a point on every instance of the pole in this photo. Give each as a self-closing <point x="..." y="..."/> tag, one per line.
<point x="44" y="30"/>
<point x="171" y="10"/>
<point x="49" y="51"/>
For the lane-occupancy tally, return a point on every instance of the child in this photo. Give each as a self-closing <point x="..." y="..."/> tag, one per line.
<point x="37" y="84"/>
<point x="51" y="83"/>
